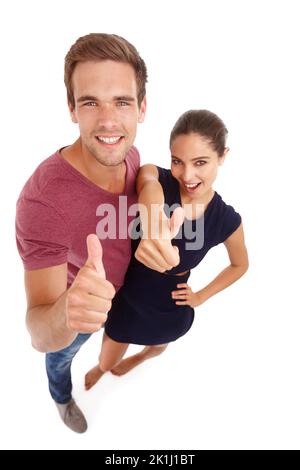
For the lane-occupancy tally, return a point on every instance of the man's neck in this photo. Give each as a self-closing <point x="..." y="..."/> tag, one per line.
<point x="109" y="178"/>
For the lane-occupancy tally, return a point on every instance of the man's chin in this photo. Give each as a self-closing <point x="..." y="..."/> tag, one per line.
<point x="107" y="157"/>
<point x="109" y="160"/>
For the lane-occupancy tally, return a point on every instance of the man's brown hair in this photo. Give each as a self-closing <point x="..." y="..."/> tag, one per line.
<point x="101" y="46"/>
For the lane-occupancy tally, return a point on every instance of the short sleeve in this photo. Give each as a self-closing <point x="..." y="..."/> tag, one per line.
<point x="162" y="175"/>
<point x="231" y="220"/>
<point x="169" y="185"/>
<point x="42" y="234"/>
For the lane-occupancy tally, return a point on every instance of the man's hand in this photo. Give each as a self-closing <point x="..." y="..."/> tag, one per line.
<point x="157" y="252"/>
<point x="89" y="298"/>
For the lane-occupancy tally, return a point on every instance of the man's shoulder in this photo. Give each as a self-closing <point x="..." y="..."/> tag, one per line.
<point x="48" y="171"/>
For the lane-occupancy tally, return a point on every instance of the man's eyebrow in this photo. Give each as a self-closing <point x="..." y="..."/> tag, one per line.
<point x="124" y="98"/>
<point x="193" y="159"/>
<point x="115" y="98"/>
<point x="86" y="98"/>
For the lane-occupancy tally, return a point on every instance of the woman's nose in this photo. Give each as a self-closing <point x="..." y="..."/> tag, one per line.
<point x="188" y="175"/>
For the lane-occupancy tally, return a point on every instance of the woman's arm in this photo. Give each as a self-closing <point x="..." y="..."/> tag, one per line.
<point x="238" y="256"/>
<point x="148" y="187"/>
<point x="155" y="249"/>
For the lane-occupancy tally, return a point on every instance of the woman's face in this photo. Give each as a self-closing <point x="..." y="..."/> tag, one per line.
<point x="194" y="164"/>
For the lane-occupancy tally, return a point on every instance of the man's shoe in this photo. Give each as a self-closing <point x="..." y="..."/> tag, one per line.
<point x="72" y="416"/>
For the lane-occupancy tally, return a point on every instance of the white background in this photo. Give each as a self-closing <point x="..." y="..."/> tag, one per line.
<point x="233" y="381"/>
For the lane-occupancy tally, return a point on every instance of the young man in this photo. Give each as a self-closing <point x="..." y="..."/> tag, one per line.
<point x="69" y="284"/>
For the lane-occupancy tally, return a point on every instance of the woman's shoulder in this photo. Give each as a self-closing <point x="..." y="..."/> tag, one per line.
<point x="170" y="185"/>
<point x="225" y="216"/>
<point x="164" y="172"/>
<point x="221" y="206"/>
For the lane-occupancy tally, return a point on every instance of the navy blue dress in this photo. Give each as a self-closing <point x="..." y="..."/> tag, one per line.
<point x="143" y="311"/>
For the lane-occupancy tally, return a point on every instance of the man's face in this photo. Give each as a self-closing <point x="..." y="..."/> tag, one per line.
<point x="106" y="109"/>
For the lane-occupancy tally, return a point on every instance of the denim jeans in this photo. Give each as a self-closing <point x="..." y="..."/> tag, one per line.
<point x="58" y="366"/>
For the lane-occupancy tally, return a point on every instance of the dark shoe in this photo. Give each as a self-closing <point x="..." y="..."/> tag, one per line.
<point x="72" y="416"/>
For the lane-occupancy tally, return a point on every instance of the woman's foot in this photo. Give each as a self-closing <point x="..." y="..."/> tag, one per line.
<point x="92" y="377"/>
<point x="127" y="364"/>
<point x="132" y="361"/>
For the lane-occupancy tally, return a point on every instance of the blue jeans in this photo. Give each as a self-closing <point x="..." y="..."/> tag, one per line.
<point x="58" y="366"/>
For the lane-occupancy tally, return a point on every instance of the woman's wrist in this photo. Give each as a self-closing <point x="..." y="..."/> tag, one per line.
<point x="200" y="298"/>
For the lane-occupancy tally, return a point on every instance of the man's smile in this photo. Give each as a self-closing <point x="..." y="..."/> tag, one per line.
<point x="110" y="141"/>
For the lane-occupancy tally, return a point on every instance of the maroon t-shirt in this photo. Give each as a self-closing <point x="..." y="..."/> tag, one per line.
<point x="58" y="207"/>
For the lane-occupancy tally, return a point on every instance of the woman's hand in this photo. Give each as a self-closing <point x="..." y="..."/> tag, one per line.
<point x="185" y="296"/>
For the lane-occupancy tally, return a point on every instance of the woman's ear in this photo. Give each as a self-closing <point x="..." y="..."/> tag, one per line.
<point x="222" y="158"/>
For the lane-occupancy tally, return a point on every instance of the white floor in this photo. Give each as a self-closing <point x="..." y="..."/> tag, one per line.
<point x="231" y="382"/>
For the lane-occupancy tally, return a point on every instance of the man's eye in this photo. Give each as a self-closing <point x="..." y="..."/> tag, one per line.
<point x="175" y="162"/>
<point x="90" y="103"/>
<point x="200" y="162"/>
<point x="123" y="103"/>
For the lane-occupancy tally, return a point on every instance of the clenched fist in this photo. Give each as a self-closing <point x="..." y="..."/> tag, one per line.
<point x="89" y="298"/>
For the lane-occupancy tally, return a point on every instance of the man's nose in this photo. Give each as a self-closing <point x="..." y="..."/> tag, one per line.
<point x="107" y="115"/>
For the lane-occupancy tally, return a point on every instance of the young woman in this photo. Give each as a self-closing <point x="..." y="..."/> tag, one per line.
<point x="153" y="308"/>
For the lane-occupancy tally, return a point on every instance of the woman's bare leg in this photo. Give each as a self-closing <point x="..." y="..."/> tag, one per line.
<point x="110" y="355"/>
<point x="132" y="361"/>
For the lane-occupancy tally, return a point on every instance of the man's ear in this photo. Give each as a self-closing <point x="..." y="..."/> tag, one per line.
<point x="72" y="113"/>
<point x="142" y="111"/>
<point x="222" y="159"/>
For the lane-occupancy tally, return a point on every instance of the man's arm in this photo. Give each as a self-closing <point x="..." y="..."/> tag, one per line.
<point x="155" y="249"/>
<point x="46" y="291"/>
<point x="55" y="314"/>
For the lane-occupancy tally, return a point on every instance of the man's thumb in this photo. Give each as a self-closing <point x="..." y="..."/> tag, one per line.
<point x="176" y="221"/>
<point x="94" y="250"/>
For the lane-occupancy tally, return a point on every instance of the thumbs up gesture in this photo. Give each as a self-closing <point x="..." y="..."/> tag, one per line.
<point x="157" y="252"/>
<point x="89" y="298"/>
